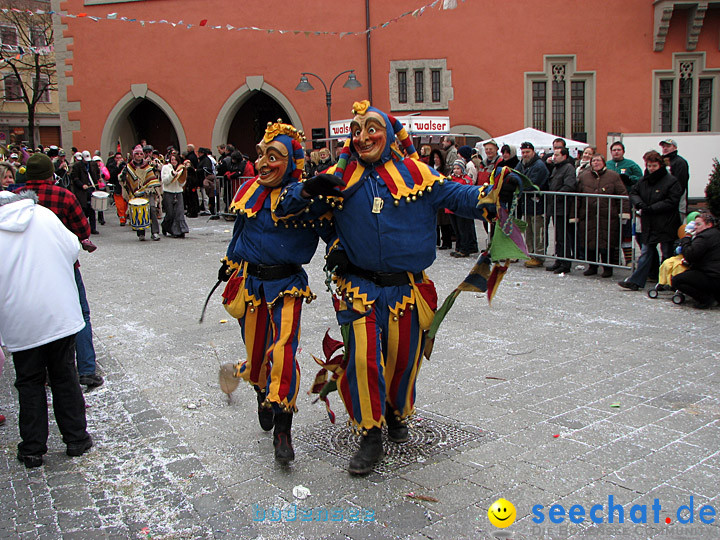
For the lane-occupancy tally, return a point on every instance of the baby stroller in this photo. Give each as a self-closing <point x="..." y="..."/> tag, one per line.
<point x="673" y="266"/>
<point x="669" y="268"/>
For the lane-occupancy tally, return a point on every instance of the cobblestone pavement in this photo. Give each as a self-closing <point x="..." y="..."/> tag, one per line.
<point x="567" y="391"/>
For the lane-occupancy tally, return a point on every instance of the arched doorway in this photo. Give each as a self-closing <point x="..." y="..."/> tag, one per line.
<point x="251" y="119"/>
<point x="142" y="114"/>
<point x="243" y="117"/>
<point x="147" y="121"/>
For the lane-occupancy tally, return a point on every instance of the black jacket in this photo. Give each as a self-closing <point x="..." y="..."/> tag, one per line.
<point x="204" y="168"/>
<point x="114" y="170"/>
<point x="702" y="251"/>
<point x="79" y="177"/>
<point x="657" y="195"/>
<point x="536" y="171"/>
<point x="679" y="168"/>
<point x="562" y="178"/>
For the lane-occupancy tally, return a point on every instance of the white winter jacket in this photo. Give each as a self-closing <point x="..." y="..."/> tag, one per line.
<point x="38" y="296"/>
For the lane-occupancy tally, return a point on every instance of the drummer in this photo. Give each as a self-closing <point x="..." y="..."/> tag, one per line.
<point x="104" y="176"/>
<point x="138" y="180"/>
<point x="84" y="178"/>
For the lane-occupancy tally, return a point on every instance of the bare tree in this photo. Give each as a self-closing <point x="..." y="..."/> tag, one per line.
<point x="32" y="59"/>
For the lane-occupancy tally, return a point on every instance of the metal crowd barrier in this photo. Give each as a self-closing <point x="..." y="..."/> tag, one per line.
<point x="575" y="216"/>
<point x="225" y="190"/>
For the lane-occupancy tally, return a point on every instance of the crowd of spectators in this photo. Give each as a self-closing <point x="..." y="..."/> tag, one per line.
<point x="589" y="202"/>
<point x="571" y="195"/>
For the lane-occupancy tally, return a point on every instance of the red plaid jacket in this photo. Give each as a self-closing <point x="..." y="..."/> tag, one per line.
<point x="63" y="204"/>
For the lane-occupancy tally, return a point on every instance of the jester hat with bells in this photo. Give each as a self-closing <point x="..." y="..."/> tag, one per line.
<point x="393" y="128"/>
<point x="292" y="139"/>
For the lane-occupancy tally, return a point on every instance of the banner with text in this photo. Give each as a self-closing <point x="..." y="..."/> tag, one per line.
<point x="414" y="125"/>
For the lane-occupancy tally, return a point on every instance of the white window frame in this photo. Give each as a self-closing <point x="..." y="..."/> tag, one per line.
<point x="426" y="66"/>
<point x="47" y="90"/>
<point x="5" y="76"/>
<point x="699" y="71"/>
<point x="15" y="30"/>
<point x="37" y="31"/>
<point x="571" y="74"/>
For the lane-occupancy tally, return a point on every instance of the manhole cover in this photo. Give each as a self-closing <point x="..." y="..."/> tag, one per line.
<point x="431" y="437"/>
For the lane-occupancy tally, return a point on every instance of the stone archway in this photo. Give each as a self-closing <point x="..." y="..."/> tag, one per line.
<point x="244" y="115"/>
<point x="469" y="134"/>
<point x="141" y="113"/>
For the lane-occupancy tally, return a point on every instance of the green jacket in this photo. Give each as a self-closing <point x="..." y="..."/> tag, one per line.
<point x="626" y="168"/>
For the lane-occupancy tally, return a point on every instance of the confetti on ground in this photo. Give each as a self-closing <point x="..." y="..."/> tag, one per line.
<point x="556" y="435"/>
<point x="616" y="404"/>
<point x="496" y="378"/>
<point x="223" y="321"/>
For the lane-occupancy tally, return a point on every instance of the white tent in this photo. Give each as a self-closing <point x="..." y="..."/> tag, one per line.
<point x="541" y="141"/>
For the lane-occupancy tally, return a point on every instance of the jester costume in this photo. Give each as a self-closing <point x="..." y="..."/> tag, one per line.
<point x="268" y="284"/>
<point x="385" y="239"/>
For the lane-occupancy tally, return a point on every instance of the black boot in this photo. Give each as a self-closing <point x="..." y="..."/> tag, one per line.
<point x="397" y="429"/>
<point x="266" y="416"/>
<point x="282" y="441"/>
<point x="371" y="450"/>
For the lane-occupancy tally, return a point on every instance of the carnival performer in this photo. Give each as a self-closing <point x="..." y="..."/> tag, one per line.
<point x="385" y="226"/>
<point x="174" y="176"/>
<point x="138" y="179"/>
<point x="268" y="284"/>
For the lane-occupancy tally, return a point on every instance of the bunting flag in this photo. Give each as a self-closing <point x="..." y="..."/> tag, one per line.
<point x="443" y="5"/>
<point x="25" y="49"/>
<point x="480" y="279"/>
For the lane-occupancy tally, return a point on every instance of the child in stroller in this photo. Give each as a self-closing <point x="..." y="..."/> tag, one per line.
<point x="674" y="265"/>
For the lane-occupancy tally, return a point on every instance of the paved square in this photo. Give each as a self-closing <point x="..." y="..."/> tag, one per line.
<point x="566" y="391"/>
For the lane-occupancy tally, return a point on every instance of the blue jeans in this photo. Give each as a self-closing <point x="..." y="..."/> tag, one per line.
<point x="84" y="350"/>
<point x="645" y="262"/>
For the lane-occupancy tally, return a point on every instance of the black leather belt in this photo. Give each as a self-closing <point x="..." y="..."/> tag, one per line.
<point x="383" y="279"/>
<point x="275" y="271"/>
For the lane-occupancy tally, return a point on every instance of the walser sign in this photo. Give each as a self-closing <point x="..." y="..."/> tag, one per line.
<point x="414" y="125"/>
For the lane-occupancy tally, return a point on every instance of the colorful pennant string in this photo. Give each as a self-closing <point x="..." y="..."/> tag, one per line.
<point x="443" y="4"/>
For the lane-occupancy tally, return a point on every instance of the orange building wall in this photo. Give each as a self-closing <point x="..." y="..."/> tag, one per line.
<point x="488" y="46"/>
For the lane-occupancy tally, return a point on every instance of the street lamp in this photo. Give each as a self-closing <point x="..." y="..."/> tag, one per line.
<point x="305" y="86"/>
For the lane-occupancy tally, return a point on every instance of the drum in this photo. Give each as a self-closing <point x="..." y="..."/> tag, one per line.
<point x="139" y="213"/>
<point x="99" y="201"/>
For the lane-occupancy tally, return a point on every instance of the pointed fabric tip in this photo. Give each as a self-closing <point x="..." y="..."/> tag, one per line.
<point x="330" y="345"/>
<point x="496" y="276"/>
<point x="203" y="22"/>
<point x="441" y="313"/>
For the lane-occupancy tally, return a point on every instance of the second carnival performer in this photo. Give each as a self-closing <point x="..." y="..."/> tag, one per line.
<point x="266" y="282"/>
<point x="138" y="179"/>
<point x="385" y="303"/>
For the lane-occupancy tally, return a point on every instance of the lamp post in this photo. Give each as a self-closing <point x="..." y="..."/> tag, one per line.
<point x="305" y="86"/>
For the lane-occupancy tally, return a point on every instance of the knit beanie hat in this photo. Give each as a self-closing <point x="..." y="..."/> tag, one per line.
<point x="460" y="163"/>
<point x="39" y="167"/>
<point x="466" y="152"/>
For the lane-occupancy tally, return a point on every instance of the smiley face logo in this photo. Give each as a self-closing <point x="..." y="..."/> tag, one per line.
<point x="501" y="513"/>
